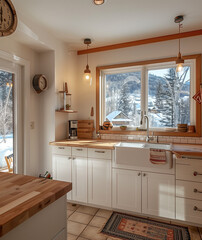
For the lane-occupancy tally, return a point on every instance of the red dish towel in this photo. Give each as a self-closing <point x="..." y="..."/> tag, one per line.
<point x="158" y="156"/>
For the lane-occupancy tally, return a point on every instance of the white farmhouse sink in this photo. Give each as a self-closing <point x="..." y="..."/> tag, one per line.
<point x="157" y="146"/>
<point x="131" y="145"/>
<point x="136" y="154"/>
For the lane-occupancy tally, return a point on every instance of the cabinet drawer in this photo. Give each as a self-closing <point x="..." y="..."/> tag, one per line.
<point x="189" y="210"/>
<point x="99" y="153"/>
<point x="61" y="150"/>
<point x="189" y="169"/>
<point x="191" y="190"/>
<point x="79" y="152"/>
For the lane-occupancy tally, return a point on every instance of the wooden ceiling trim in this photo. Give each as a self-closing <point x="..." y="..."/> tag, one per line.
<point x="141" y="42"/>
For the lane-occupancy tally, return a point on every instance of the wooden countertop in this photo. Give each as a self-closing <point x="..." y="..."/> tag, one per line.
<point x="178" y="149"/>
<point x="102" y="144"/>
<point x="187" y="149"/>
<point x="22" y="196"/>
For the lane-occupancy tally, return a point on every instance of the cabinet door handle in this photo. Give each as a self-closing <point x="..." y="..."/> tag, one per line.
<point x="196" y="173"/>
<point x="79" y="149"/>
<point x="197" y="191"/>
<point x="197" y="209"/>
<point x="139" y="174"/>
<point x="100" y="151"/>
<point x="73" y="158"/>
<point x="61" y="148"/>
<point x="144" y="174"/>
<point x="69" y="158"/>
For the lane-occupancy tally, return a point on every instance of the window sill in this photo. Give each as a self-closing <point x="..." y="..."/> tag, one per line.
<point x="156" y="133"/>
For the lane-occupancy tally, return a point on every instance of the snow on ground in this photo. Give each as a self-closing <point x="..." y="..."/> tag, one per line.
<point x="6" y="148"/>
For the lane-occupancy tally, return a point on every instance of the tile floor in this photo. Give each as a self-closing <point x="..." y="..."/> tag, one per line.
<point x="85" y="223"/>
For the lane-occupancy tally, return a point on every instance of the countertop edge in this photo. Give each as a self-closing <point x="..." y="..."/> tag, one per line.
<point x="177" y="149"/>
<point x="8" y="223"/>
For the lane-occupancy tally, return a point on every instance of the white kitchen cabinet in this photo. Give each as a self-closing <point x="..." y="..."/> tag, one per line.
<point x="79" y="179"/>
<point x="62" y="169"/>
<point x="99" y="182"/>
<point x="158" y="194"/>
<point x="189" y="189"/>
<point x="189" y="210"/>
<point x="126" y="190"/>
<point x="189" y="169"/>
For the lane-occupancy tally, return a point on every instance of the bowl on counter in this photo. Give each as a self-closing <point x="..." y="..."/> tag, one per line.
<point x="123" y="127"/>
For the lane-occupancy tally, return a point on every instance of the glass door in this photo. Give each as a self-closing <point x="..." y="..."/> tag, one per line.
<point x="11" y="117"/>
<point x="6" y="121"/>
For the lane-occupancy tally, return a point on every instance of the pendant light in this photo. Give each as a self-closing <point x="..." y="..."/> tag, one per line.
<point x="87" y="73"/>
<point x="179" y="60"/>
<point x="98" y="2"/>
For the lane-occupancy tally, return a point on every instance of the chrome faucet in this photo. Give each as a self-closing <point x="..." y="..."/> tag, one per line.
<point x="148" y="138"/>
<point x="98" y="135"/>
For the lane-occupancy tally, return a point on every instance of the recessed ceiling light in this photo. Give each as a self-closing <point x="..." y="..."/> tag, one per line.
<point x="98" y="2"/>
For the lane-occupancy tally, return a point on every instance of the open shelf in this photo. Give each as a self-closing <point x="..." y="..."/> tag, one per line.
<point x="69" y="94"/>
<point x="66" y="111"/>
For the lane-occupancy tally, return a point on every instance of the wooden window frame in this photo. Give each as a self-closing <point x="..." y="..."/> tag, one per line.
<point x="197" y="133"/>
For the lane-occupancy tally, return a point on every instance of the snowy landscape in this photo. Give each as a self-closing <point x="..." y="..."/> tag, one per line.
<point x="6" y="116"/>
<point x="168" y="96"/>
<point x="6" y="148"/>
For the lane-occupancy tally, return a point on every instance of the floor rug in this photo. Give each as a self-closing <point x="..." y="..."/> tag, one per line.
<point x="129" y="227"/>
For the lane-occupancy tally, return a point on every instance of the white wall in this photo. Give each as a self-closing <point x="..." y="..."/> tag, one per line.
<point x="14" y="48"/>
<point x="46" y="109"/>
<point x="47" y="55"/>
<point x="86" y="95"/>
<point x="59" y="66"/>
<point x="69" y="75"/>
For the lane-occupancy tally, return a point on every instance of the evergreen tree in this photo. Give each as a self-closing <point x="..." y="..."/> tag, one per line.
<point x="124" y="101"/>
<point x="184" y="113"/>
<point x="159" y="96"/>
<point x="6" y="104"/>
<point x="168" y="98"/>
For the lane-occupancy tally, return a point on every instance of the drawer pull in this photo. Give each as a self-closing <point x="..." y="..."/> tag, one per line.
<point x="197" y="209"/>
<point x="196" y="173"/>
<point x="61" y="148"/>
<point x="197" y="191"/>
<point x="100" y="151"/>
<point x="79" y="149"/>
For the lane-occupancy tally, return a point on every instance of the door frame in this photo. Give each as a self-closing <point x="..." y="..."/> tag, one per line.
<point x="24" y="89"/>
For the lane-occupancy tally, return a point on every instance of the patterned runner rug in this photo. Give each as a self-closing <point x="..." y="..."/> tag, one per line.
<point x="129" y="227"/>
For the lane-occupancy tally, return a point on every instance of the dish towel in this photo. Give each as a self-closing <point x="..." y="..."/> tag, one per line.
<point x="158" y="156"/>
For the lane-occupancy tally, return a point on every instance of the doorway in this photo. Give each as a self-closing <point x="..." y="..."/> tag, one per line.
<point x="11" y="134"/>
<point x="6" y="121"/>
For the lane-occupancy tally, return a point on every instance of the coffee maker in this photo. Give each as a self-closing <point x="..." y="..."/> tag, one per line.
<point x="73" y="129"/>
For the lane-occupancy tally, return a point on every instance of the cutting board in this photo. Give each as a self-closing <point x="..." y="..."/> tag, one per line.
<point x="85" y="129"/>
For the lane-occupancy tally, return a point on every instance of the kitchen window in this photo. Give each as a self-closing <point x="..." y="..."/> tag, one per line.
<point x="153" y="88"/>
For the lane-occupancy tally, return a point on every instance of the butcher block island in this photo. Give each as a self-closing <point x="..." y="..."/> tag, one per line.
<point x="32" y="208"/>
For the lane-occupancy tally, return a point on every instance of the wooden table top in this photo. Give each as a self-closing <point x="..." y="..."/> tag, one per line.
<point x="178" y="149"/>
<point x="22" y="196"/>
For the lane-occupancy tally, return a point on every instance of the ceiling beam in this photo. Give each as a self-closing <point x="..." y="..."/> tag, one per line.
<point x="141" y="42"/>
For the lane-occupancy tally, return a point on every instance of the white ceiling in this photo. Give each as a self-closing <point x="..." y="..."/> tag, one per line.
<point x="115" y="21"/>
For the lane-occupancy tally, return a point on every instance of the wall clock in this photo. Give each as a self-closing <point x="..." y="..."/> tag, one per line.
<point x="39" y="83"/>
<point x="8" y="18"/>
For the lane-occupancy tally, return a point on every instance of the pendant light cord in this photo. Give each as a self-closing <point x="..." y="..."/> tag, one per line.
<point x="180" y="26"/>
<point x="87" y="53"/>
